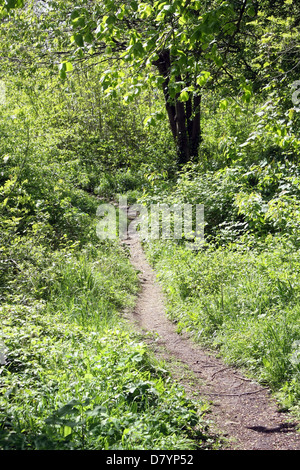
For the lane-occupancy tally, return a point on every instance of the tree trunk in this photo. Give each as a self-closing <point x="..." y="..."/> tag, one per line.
<point x="195" y="137"/>
<point x="182" y="140"/>
<point x="163" y="64"/>
<point x="184" y="118"/>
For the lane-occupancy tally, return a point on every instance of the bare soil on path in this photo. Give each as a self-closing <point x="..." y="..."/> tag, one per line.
<point x="242" y="412"/>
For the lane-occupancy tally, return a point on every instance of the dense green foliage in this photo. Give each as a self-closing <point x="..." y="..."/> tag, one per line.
<point x="239" y="293"/>
<point x="100" y="99"/>
<point x="72" y="375"/>
<point x="74" y="387"/>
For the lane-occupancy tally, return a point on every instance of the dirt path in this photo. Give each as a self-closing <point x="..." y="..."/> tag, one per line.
<point x="241" y="410"/>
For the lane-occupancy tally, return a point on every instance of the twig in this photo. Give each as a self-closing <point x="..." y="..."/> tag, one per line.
<point x="220" y="370"/>
<point x="237" y="394"/>
<point x="243" y="378"/>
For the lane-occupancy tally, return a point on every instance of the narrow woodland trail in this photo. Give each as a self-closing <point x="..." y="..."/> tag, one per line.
<point x="241" y="410"/>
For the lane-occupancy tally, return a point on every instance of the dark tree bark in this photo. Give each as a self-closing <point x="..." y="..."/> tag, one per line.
<point x="195" y="138"/>
<point x="182" y="141"/>
<point x="184" y="118"/>
<point x="163" y="65"/>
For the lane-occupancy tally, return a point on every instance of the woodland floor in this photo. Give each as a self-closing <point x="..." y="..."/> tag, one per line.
<point x="242" y="412"/>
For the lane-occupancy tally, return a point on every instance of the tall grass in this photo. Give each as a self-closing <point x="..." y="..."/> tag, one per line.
<point x="92" y="289"/>
<point x="243" y="302"/>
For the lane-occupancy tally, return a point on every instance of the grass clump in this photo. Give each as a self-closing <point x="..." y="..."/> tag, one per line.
<point x="243" y="302"/>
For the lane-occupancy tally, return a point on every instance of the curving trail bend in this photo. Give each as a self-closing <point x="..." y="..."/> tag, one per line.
<point x="241" y="410"/>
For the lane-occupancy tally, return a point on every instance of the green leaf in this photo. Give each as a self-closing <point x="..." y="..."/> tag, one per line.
<point x="75" y="14"/>
<point x="218" y="61"/>
<point x="67" y="431"/>
<point x="79" y="40"/>
<point x="223" y="105"/>
<point x="62" y="71"/>
<point x="79" y="21"/>
<point x="150" y="120"/>
<point x="203" y="78"/>
<point x="110" y="20"/>
<point x="88" y="37"/>
<point x="65" y="67"/>
<point x="184" y="95"/>
<point x="69" y="66"/>
<point x="251" y="10"/>
<point x="134" y="5"/>
<point x="247" y="96"/>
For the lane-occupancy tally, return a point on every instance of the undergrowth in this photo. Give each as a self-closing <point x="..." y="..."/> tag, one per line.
<point x="244" y="303"/>
<point x="66" y="386"/>
<point x="72" y="375"/>
<point x="240" y="291"/>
